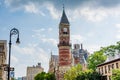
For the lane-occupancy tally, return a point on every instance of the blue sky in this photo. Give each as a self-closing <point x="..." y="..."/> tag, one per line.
<point x="95" y="23"/>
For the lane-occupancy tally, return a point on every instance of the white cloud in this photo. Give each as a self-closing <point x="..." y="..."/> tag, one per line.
<point x="36" y="53"/>
<point x="14" y="59"/>
<point x="8" y="2"/>
<point x="24" y="50"/>
<point x="88" y="12"/>
<point x="118" y="25"/>
<point x="77" y="39"/>
<point x="33" y="8"/>
<point x="50" y="40"/>
<point x="39" y="30"/>
<point x="92" y="48"/>
<point x="29" y="6"/>
<point x="53" y="11"/>
<point x="40" y="34"/>
<point x="93" y="14"/>
<point x="118" y="31"/>
<point x="118" y="36"/>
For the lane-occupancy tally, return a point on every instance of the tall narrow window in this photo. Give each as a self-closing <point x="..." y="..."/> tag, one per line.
<point x="99" y="70"/>
<point x="109" y="77"/>
<point x="105" y="70"/>
<point x="109" y="68"/>
<point x="117" y="65"/>
<point x="112" y="66"/>
<point x="102" y="70"/>
<point x="1" y="48"/>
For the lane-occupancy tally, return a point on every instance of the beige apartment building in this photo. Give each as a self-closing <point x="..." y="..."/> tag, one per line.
<point x="106" y="68"/>
<point x="3" y="57"/>
<point x="33" y="71"/>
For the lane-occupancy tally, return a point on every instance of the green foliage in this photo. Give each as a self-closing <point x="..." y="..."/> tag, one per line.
<point x="45" y="76"/>
<point x="13" y="79"/>
<point x="100" y="56"/>
<point x="88" y="75"/>
<point x="116" y="74"/>
<point x="112" y="49"/>
<point x="73" y="72"/>
<point x="94" y="59"/>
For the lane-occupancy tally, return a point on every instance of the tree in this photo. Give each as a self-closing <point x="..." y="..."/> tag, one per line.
<point x="94" y="59"/>
<point x="88" y="75"/>
<point x="111" y="50"/>
<point x="116" y="74"/>
<point x="44" y="76"/>
<point x="73" y="72"/>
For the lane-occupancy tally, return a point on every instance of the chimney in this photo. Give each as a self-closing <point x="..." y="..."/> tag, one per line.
<point x="39" y="64"/>
<point x="76" y="46"/>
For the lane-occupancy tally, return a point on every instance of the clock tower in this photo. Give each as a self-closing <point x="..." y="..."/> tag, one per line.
<point x="64" y="46"/>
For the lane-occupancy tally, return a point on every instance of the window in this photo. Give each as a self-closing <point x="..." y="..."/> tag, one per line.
<point x="112" y="66"/>
<point x="108" y="68"/>
<point x="99" y="70"/>
<point x="105" y="70"/>
<point x="1" y="48"/>
<point x="102" y="70"/>
<point x="117" y="65"/>
<point x="109" y="78"/>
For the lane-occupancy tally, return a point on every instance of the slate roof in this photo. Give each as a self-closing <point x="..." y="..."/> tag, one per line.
<point x="55" y="57"/>
<point x="82" y="54"/>
<point x="118" y="59"/>
<point x="64" y="18"/>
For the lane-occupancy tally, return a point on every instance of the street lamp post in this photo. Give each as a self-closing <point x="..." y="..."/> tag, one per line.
<point x="13" y="31"/>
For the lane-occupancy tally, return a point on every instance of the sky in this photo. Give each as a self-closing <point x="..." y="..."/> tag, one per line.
<point x="94" y="23"/>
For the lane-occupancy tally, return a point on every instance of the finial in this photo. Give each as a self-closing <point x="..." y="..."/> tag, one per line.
<point x="63" y="6"/>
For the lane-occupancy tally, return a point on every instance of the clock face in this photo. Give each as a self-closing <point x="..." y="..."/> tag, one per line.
<point x="65" y="29"/>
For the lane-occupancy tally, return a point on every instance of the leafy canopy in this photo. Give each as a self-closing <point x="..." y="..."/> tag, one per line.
<point x="44" y="76"/>
<point x="73" y="72"/>
<point x="116" y="74"/>
<point x="94" y="59"/>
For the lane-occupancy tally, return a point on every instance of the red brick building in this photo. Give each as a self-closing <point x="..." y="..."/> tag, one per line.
<point x="67" y="57"/>
<point x="64" y="46"/>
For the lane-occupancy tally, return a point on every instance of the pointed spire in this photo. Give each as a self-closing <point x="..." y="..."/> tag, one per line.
<point x="63" y="7"/>
<point x="51" y="55"/>
<point x="81" y="46"/>
<point x="64" y="17"/>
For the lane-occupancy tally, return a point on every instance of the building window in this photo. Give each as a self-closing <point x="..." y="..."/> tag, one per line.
<point x="99" y="70"/>
<point x="109" y="77"/>
<point x="112" y="66"/>
<point x="102" y="70"/>
<point x="65" y="33"/>
<point x="105" y="70"/>
<point x="117" y="65"/>
<point x="1" y="48"/>
<point x="108" y="68"/>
